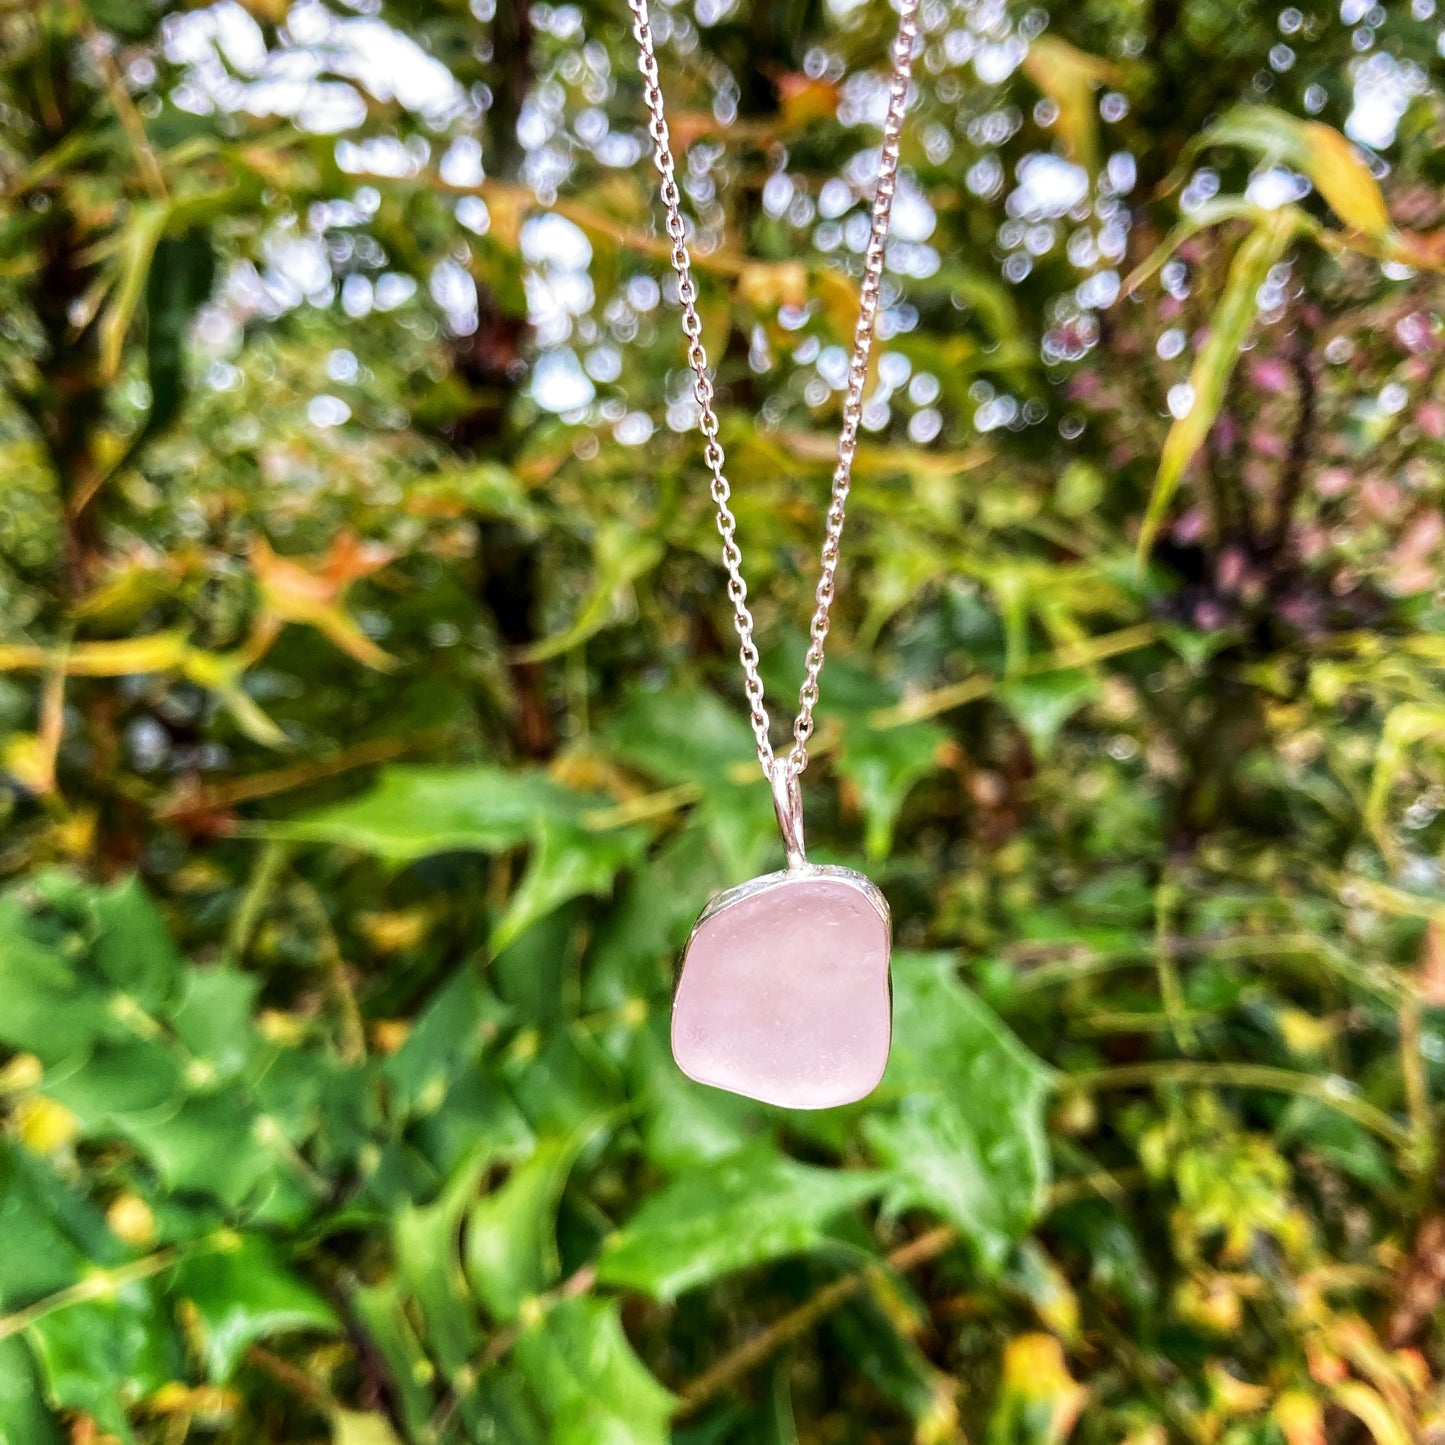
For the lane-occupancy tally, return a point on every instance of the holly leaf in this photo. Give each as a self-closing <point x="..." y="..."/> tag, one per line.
<point x="620" y="557"/>
<point x="686" y="736"/>
<point x="880" y="763"/>
<point x="1043" y="702"/>
<point x="510" y="1249"/>
<point x="52" y="1236"/>
<point x="24" y="1420"/>
<point x="967" y="1138"/>
<point x="245" y="1293"/>
<point x="414" y="812"/>
<point x="95" y="1353"/>
<point x="588" y="1381"/>
<point x="750" y="1207"/>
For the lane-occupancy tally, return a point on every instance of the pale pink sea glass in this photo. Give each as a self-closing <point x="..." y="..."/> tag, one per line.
<point x="784" y="990"/>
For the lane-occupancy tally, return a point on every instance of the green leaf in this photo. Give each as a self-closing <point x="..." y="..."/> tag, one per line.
<point x="967" y="1138"/>
<point x="1215" y="363"/>
<point x="620" y="556"/>
<point x="751" y="1207"/>
<point x="1338" y="1140"/>
<point x="179" y="281"/>
<point x="1042" y="703"/>
<point x="48" y="1010"/>
<point x="510" y="1249"/>
<point x="483" y="488"/>
<point x="564" y="1084"/>
<point x="117" y="1081"/>
<point x="243" y="1294"/>
<point x="24" y="1420"/>
<point x="634" y="954"/>
<point x="448" y="1040"/>
<point x="871" y="1333"/>
<point x="415" y="812"/>
<point x="381" y="1312"/>
<point x="213" y="1145"/>
<point x="428" y="1243"/>
<point x="566" y="862"/>
<point x="883" y="763"/>
<point x="1319" y="150"/>
<point x="52" y="1236"/>
<point x="684" y="1127"/>
<point x="101" y="1355"/>
<point x="212" y="1019"/>
<point x="129" y="22"/>
<point x="142" y="233"/>
<point x="589" y="1382"/>
<point x="133" y="948"/>
<point x="686" y="736"/>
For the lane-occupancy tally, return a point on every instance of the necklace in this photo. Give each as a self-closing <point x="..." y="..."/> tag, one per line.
<point x="783" y="994"/>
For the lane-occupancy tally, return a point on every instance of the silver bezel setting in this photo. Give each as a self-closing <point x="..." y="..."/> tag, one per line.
<point x="766" y="881"/>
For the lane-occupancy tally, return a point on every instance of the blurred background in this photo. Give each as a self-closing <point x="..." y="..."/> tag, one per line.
<point x="371" y="729"/>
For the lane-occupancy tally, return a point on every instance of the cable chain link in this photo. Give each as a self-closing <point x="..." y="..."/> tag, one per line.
<point x="702" y="389"/>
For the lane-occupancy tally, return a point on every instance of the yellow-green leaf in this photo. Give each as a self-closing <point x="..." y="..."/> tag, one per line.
<point x="1209" y="376"/>
<point x="1407" y="724"/>
<point x="1369" y="1407"/>
<point x="1038" y="1401"/>
<point x="138" y="246"/>
<point x="351" y="1427"/>
<point x="1316" y="149"/>
<point x="1211" y="213"/>
<point x="1068" y="76"/>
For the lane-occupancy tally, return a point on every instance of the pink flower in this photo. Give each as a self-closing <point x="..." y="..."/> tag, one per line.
<point x="1270" y="374"/>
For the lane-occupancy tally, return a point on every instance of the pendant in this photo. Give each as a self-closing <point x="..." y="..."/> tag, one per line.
<point x="784" y="993"/>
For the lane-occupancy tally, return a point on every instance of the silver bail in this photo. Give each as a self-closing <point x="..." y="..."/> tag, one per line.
<point x="788" y="804"/>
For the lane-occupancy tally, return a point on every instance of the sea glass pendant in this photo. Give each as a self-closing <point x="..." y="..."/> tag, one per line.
<point x="784" y="991"/>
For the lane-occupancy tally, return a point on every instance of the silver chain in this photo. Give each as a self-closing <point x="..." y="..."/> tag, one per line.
<point x="797" y="758"/>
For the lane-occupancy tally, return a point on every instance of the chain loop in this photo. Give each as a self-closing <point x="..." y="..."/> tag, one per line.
<point x="797" y="757"/>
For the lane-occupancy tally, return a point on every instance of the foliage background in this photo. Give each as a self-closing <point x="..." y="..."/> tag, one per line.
<point x="372" y="732"/>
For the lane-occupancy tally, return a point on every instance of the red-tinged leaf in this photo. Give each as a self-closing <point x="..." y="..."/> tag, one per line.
<point x="310" y="592"/>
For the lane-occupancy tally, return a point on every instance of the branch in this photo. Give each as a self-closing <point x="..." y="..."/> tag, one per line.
<point x="928" y="1246"/>
<point x="1292" y="473"/>
<point x="1245" y="1076"/>
<point x="752" y="1352"/>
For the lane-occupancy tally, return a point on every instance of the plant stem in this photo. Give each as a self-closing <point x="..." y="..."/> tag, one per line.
<point x="1417" y="1088"/>
<point x="298" y="775"/>
<point x="928" y="1246"/>
<point x="269" y="865"/>
<point x="757" y="1348"/>
<point x="1075" y="654"/>
<point x="1244" y="1076"/>
<point x="102" y="1282"/>
<point x="1166" y="897"/>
